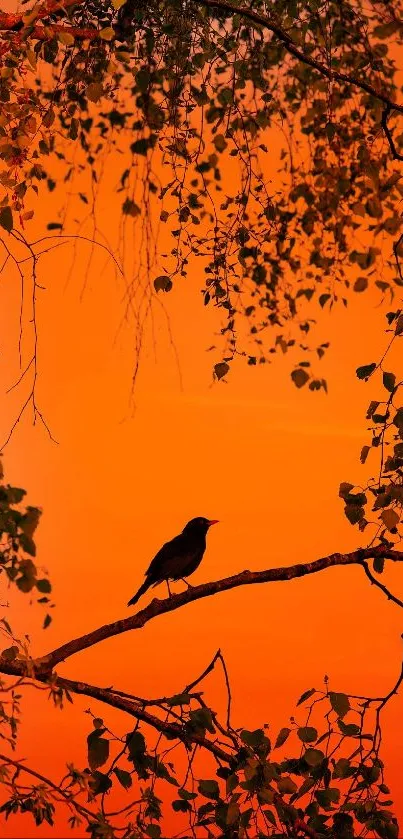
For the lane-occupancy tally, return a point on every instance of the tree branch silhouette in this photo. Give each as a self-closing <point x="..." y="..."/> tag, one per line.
<point x="10" y="22"/>
<point x="44" y="665"/>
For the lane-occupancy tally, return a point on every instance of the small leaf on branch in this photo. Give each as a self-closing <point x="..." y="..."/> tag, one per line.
<point x="308" y="693"/>
<point x="389" y="380"/>
<point x="98" y="749"/>
<point x="307" y="734"/>
<point x="163" y="283"/>
<point x="364" y="453"/>
<point x="340" y="703"/>
<point x="221" y="369"/>
<point x="66" y="38"/>
<point x="282" y="737"/>
<point x="209" y="789"/>
<point x="123" y="777"/>
<point x="107" y="34"/>
<point x="390" y="518"/>
<point x="286" y="786"/>
<point x="6" y="219"/>
<point x="313" y="757"/>
<point x="378" y="564"/>
<point x="299" y="377"/>
<point x="94" y="91"/>
<point x="365" y="371"/>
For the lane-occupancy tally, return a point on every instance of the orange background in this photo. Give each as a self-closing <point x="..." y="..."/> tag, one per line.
<point x="255" y="453"/>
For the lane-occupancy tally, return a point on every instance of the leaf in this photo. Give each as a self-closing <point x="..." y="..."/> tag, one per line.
<point x="313" y="757"/>
<point x="44" y="586"/>
<point x="154" y="831"/>
<point x="286" y="786"/>
<point x="10" y="653"/>
<point x="360" y="284"/>
<point x="94" y="91"/>
<point x="130" y="208"/>
<point x="100" y="783"/>
<point x="378" y="564"/>
<point x="220" y="142"/>
<point x="98" y="749"/>
<point x="364" y="453"/>
<point x="209" y="789"/>
<point x="282" y="737"/>
<point x="66" y="38"/>
<point x="349" y="730"/>
<point x="390" y="518"/>
<point x="180" y="806"/>
<point x="307" y="734"/>
<point x="221" y="369"/>
<point x="340" y="703"/>
<point x="308" y="693"/>
<point x="327" y="797"/>
<point x="6" y="219"/>
<point x="399" y="325"/>
<point x="107" y="34"/>
<point x="299" y="377"/>
<point x="365" y="371"/>
<point x="123" y="777"/>
<point x="354" y="513"/>
<point x="389" y="380"/>
<point x="163" y="283"/>
<point x="47" y="621"/>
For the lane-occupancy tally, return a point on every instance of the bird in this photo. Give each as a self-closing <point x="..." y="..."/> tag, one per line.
<point x="178" y="558"/>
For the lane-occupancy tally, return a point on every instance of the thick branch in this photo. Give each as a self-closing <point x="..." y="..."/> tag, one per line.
<point x="47" y="663"/>
<point x="172" y="729"/>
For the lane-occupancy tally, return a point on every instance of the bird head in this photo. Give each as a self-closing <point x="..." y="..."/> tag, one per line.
<point x="199" y="525"/>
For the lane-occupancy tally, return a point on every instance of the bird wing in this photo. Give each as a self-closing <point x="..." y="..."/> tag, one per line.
<point x="160" y="566"/>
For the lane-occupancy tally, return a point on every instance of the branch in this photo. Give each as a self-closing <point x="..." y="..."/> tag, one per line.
<point x="374" y="581"/>
<point x="292" y="48"/>
<point x="45" y="664"/>
<point x="69" y="800"/>
<point x="135" y="710"/>
<point x="384" y="123"/>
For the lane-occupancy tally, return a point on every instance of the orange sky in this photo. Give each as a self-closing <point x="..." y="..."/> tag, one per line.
<point x="255" y="453"/>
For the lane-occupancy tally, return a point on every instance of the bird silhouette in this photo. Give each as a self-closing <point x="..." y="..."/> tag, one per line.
<point x="178" y="558"/>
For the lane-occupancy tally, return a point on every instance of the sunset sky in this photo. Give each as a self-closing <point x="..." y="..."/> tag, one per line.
<point x="127" y="474"/>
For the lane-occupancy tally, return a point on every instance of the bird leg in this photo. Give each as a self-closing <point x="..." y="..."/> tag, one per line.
<point x="189" y="585"/>
<point x="169" y="590"/>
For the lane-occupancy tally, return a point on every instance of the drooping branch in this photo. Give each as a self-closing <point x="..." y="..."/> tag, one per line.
<point x="47" y="663"/>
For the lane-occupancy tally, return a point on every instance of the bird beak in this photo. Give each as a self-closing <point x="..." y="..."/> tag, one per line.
<point x="213" y="521"/>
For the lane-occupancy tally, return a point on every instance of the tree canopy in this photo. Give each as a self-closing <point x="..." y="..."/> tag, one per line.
<point x="265" y="138"/>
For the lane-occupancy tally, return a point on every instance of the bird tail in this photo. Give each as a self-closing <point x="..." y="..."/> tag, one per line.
<point x="147" y="583"/>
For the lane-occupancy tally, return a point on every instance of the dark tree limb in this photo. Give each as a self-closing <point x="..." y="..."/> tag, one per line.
<point x="46" y="664"/>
